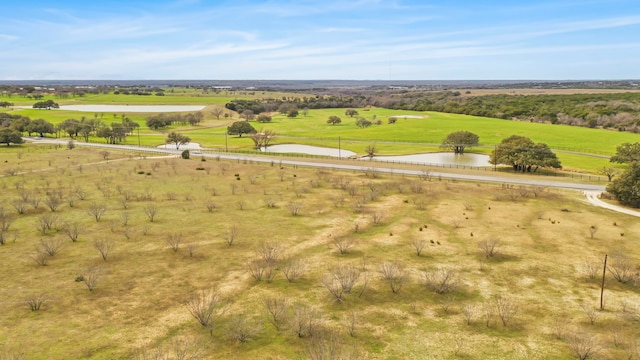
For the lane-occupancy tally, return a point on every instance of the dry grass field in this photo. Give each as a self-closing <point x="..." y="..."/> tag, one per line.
<point x="502" y="271"/>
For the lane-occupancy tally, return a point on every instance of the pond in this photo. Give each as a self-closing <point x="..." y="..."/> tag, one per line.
<point x="440" y="158"/>
<point x="445" y="158"/>
<point x="308" y="149"/>
<point x="128" y="108"/>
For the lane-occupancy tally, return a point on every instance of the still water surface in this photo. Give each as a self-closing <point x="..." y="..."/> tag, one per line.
<point x="443" y="158"/>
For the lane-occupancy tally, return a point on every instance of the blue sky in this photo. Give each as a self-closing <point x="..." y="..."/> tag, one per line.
<point x="324" y="39"/>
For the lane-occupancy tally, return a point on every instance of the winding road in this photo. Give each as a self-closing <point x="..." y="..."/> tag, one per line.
<point x="590" y="191"/>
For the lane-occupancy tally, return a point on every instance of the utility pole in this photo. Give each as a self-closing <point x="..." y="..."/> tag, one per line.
<point x="339" y="149"/>
<point x="226" y="143"/>
<point x="604" y="272"/>
<point x="138" y="136"/>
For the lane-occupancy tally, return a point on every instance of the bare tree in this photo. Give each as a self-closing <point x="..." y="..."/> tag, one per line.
<point x="416" y="187"/>
<point x="104" y="247"/>
<point x="270" y="203"/>
<point x="240" y="328"/>
<point x="41" y="257"/>
<point x="440" y="280"/>
<point x="53" y="200"/>
<point x="366" y="279"/>
<point x="90" y="277"/>
<point x="506" y="308"/>
<point x="217" y="112"/>
<point x="346" y="275"/>
<point x="269" y="252"/>
<point x="583" y="345"/>
<point x="210" y="205"/>
<point x="305" y="321"/>
<point x="205" y="307"/>
<point x="96" y="210"/>
<point x="622" y="268"/>
<point x="270" y="272"/>
<point x="79" y="193"/>
<point x="180" y="348"/>
<point x="20" y="205"/>
<point x="262" y="139"/>
<point x="151" y="211"/>
<point x="174" y="240"/>
<point x="343" y="243"/>
<point x="191" y="248"/>
<point x="468" y="311"/>
<point x="105" y="154"/>
<point x="334" y="287"/>
<point x="5" y="224"/>
<point x="459" y="344"/>
<point x="229" y="236"/>
<point x="371" y="150"/>
<point x="256" y="269"/>
<point x="591" y="312"/>
<point x="277" y="308"/>
<point x="293" y="269"/>
<point x="124" y="218"/>
<point x="34" y="200"/>
<point x="376" y="217"/>
<point x="487" y="312"/>
<point x="592" y="231"/>
<point x="72" y="231"/>
<point x="608" y="171"/>
<point x="47" y="222"/>
<point x="537" y="190"/>
<point x="35" y="301"/>
<point x="326" y="344"/>
<point x="592" y="269"/>
<point x="352" y="322"/>
<point x="489" y="247"/>
<point x="418" y="245"/>
<point x="51" y="246"/>
<point x="394" y="273"/>
<point x="294" y="208"/>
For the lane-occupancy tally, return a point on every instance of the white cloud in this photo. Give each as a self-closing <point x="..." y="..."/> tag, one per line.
<point x="9" y="37"/>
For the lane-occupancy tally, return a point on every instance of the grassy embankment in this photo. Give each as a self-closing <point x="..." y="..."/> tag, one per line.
<point x="544" y="262"/>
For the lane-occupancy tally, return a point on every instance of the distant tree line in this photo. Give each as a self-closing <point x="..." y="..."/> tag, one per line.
<point x="619" y="111"/>
<point x="162" y="120"/>
<point x="114" y="133"/>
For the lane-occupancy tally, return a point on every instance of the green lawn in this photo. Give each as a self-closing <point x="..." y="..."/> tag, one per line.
<point x="406" y="136"/>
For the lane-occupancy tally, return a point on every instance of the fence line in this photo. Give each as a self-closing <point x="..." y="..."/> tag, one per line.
<point x="311" y="156"/>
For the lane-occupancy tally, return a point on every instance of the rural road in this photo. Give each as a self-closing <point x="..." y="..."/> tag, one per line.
<point x="591" y="191"/>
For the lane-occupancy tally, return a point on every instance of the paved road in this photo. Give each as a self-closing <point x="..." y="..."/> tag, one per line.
<point x="591" y="191"/>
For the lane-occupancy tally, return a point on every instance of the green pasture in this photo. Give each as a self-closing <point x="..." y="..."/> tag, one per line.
<point x="406" y="136"/>
<point x="436" y="126"/>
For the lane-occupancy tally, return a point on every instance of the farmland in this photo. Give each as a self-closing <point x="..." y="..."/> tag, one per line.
<point x="118" y="253"/>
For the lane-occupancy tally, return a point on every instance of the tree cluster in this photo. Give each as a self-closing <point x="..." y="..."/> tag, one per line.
<point x="524" y="155"/>
<point x="162" y="120"/>
<point x="626" y="188"/>
<point x="48" y="104"/>
<point x="239" y="128"/>
<point x="460" y="140"/>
